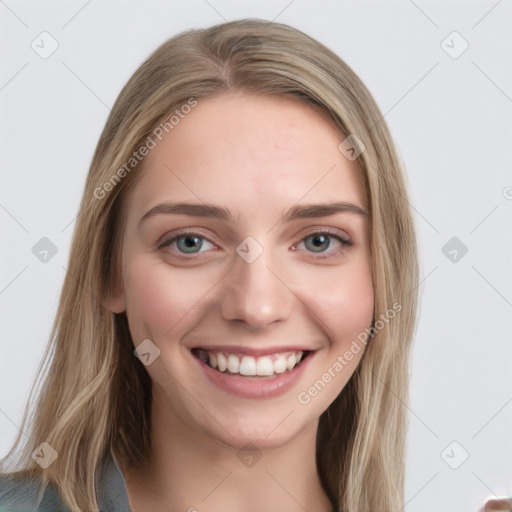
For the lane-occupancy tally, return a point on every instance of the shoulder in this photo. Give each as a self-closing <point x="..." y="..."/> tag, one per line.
<point x="24" y="495"/>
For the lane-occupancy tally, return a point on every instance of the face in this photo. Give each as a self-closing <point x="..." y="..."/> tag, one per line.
<point x="246" y="264"/>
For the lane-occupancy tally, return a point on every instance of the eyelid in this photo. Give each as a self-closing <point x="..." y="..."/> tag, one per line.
<point x="335" y="232"/>
<point x="170" y="237"/>
<point x="338" y="234"/>
<point x="344" y="238"/>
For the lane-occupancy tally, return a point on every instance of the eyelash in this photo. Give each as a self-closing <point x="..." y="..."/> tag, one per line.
<point x="344" y="243"/>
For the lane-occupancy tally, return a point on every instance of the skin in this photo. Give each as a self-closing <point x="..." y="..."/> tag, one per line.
<point x="258" y="157"/>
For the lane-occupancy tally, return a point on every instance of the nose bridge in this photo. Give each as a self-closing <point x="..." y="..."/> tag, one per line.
<point x="254" y="293"/>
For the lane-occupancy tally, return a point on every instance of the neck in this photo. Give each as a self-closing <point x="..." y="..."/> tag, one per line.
<point x="189" y="471"/>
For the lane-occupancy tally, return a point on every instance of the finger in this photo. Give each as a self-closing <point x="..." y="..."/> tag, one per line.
<point x="498" y="505"/>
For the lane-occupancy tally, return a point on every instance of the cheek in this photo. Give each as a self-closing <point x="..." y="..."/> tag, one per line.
<point x="351" y="308"/>
<point x="342" y="302"/>
<point x="342" y="299"/>
<point x="157" y="298"/>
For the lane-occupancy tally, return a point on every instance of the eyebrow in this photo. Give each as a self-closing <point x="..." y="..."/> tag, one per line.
<point x="224" y="214"/>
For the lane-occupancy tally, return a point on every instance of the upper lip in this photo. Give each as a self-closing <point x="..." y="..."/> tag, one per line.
<point x="253" y="351"/>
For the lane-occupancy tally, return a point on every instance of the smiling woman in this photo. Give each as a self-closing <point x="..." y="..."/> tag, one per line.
<point x="234" y="329"/>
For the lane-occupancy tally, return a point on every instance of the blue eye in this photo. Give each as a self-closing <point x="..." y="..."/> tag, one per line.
<point x="322" y="243"/>
<point x="325" y="242"/>
<point x="319" y="242"/>
<point x="187" y="243"/>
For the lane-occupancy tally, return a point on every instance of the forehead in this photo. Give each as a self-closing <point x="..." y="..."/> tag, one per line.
<point x="251" y="153"/>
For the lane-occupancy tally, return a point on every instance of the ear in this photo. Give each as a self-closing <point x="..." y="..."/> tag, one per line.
<point x="114" y="301"/>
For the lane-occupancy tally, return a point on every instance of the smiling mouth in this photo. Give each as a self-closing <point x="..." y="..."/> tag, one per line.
<point x="270" y="365"/>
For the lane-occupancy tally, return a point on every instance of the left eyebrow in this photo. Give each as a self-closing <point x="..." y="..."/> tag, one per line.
<point x="322" y="210"/>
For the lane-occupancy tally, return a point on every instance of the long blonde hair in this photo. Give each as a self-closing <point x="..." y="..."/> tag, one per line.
<point x="93" y="395"/>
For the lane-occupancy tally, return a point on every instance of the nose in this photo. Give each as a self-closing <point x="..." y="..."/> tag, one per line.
<point x="256" y="294"/>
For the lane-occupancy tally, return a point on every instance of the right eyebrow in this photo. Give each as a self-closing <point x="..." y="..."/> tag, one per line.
<point x="192" y="209"/>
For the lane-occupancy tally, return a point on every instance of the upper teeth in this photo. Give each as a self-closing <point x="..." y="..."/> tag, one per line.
<point x="248" y="365"/>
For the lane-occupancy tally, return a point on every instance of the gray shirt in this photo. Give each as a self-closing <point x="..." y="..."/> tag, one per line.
<point x="111" y="494"/>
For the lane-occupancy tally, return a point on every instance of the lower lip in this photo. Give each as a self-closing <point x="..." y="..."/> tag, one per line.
<point x="255" y="387"/>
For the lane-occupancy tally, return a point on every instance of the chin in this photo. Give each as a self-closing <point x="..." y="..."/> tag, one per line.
<point x="259" y="433"/>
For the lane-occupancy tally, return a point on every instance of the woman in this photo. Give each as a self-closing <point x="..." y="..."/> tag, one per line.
<point x="235" y="325"/>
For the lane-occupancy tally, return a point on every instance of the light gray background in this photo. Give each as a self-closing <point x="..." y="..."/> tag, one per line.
<point x="449" y="116"/>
